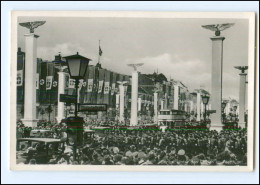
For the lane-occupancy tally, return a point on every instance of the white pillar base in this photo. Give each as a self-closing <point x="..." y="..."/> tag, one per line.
<point x="242" y="125"/>
<point x="30" y="123"/>
<point x="218" y="128"/>
<point x="59" y="119"/>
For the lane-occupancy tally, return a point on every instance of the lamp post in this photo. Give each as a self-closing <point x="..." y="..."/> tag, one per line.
<point x="205" y="100"/>
<point x="49" y="110"/>
<point x="77" y="66"/>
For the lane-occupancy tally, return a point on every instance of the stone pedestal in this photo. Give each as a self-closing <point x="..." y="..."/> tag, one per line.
<point x="61" y="90"/>
<point x="176" y="97"/>
<point x="30" y="80"/>
<point x="134" y="96"/>
<point x="242" y="96"/>
<point x="155" y="103"/>
<point x="198" y="107"/>
<point x="122" y="102"/>
<point x="216" y="82"/>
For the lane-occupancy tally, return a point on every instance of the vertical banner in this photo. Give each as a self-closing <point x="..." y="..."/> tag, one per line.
<point x="49" y="82"/>
<point x="42" y="89"/>
<point x="101" y="75"/>
<point x="67" y="81"/>
<point x="71" y="83"/>
<point x="90" y="85"/>
<point x="19" y="79"/>
<point x="37" y="80"/>
<point x="54" y="91"/>
<point x="113" y="88"/>
<point x="83" y="91"/>
<point x="110" y="96"/>
<point x="95" y="85"/>
<point x="100" y="86"/>
<point x="106" y="87"/>
<point x="90" y="80"/>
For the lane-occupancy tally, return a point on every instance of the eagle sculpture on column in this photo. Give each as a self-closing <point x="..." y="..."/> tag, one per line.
<point x="32" y="25"/>
<point x="242" y="68"/>
<point x="135" y="65"/>
<point x="218" y="27"/>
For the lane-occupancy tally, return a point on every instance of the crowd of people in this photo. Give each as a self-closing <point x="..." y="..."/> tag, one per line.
<point x="152" y="146"/>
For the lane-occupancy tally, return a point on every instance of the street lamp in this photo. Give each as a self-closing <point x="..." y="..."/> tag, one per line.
<point x="205" y="100"/>
<point x="77" y="66"/>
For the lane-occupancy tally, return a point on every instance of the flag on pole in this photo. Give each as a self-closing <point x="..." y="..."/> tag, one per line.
<point x="100" y="51"/>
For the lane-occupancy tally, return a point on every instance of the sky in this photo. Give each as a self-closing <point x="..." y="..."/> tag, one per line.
<point x="178" y="48"/>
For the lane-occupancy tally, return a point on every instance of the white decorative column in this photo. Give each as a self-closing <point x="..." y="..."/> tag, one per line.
<point x="216" y="82"/>
<point x="134" y="94"/>
<point x="242" y="95"/>
<point x="191" y="106"/>
<point x="176" y="97"/>
<point x="155" y="103"/>
<point x="122" y="102"/>
<point x="117" y="101"/>
<point x="216" y="73"/>
<point x="198" y="107"/>
<point x="61" y="90"/>
<point x="139" y="104"/>
<point x="162" y="104"/>
<point x="30" y="80"/>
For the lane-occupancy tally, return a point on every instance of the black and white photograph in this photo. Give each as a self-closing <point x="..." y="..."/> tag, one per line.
<point x="126" y="90"/>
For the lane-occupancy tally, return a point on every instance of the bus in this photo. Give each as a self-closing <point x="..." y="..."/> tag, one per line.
<point x="172" y="118"/>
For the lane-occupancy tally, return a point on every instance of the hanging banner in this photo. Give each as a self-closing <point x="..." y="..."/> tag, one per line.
<point x="55" y="84"/>
<point x="42" y="81"/>
<point x="37" y="80"/>
<point x="90" y="85"/>
<point x="80" y="83"/>
<point x="19" y="79"/>
<point x="71" y="83"/>
<point x="84" y="84"/>
<point x="100" y="86"/>
<point x="113" y="88"/>
<point x="49" y="82"/>
<point x="106" y="88"/>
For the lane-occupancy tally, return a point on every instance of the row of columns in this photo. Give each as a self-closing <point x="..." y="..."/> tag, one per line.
<point x="216" y="93"/>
